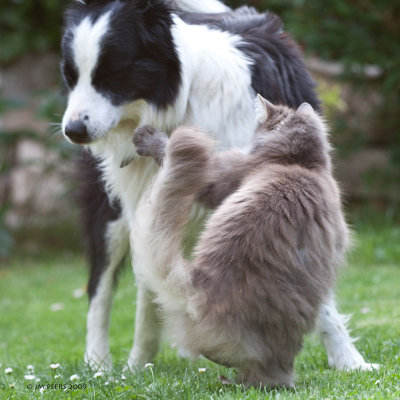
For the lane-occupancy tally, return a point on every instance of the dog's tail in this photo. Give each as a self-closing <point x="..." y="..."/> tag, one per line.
<point x="163" y="214"/>
<point x="200" y="6"/>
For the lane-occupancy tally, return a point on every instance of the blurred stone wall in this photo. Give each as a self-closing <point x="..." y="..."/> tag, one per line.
<point x="361" y="162"/>
<point x="36" y="183"/>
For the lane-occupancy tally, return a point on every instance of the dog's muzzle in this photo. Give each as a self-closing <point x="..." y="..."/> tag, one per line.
<point x="77" y="132"/>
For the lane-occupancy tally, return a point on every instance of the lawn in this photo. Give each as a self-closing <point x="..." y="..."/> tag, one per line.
<point x="42" y="322"/>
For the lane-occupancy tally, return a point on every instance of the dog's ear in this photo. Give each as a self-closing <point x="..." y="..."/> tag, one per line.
<point x="264" y="109"/>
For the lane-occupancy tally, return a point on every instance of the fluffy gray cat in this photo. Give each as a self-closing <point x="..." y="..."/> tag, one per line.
<point x="268" y="254"/>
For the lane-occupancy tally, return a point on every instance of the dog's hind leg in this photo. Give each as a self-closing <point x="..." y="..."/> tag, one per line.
<point x="342" y="353"/>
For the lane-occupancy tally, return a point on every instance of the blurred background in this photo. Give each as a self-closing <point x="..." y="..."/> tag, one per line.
<point x="352" y="49"/>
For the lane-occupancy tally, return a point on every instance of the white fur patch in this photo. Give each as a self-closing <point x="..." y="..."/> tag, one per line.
<point x="216" y="93"/>
<point x="86" y="44"/>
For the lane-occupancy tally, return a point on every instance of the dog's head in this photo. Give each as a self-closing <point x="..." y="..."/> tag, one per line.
<point x="115" y="52"/>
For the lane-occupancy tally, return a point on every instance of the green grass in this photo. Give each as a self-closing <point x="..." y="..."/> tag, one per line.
<point x="30" y="333"/>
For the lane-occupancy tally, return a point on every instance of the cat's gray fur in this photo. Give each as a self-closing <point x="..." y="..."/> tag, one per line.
<point x="268" y="254"/>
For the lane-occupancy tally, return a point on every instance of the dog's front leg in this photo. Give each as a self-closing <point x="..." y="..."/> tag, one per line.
<point x="147" y="330"/>
<point x="114" y="238"/>
<point x="342" y="353"/>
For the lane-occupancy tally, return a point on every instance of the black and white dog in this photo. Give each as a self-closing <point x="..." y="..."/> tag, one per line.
<point x="133" y="62"/>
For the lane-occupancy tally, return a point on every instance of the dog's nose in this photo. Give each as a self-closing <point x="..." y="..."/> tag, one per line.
<point x="77" y="132"/>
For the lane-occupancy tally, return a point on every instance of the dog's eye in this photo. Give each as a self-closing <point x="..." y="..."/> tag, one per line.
<point x="70" y="75"/>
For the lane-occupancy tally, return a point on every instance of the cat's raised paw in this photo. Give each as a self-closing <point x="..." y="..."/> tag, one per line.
<point x="150" y="142"/>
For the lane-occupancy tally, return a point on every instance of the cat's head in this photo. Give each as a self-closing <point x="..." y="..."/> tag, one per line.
<point x="290" y="136"/>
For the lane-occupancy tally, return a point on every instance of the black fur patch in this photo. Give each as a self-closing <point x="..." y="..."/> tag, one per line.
<point x="138" y="59"/>
<point x="69" y="69"/>
<point x="278" y="71"/>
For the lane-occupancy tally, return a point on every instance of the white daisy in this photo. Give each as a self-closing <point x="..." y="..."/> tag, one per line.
<point x="56" y="307"/>
<point x="98" y="374"/>
<point x="78" y="293"/>
<point x="8" y="370"/>
<point x="149" y="365"/>
<point x="54" y="366"/>
<point x="123" y="378"/>
<point x="74" y="377"/>
<point x="42" y="389"/>
<point x="30" y="367"/>
<point x="12" y="385"/>
<point x="202" y="370"/>
<point x="56" y="376"/>
<point x="29" y="377"/>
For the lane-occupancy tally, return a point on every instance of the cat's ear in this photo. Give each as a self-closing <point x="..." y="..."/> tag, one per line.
<point x="305" y="109"/>
<point x="264" y="109"/>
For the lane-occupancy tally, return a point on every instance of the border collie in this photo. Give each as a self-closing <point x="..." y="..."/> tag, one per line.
<point x="128" y="63"/>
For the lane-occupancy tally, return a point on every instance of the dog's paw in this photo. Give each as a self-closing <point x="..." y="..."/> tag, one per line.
<point x="150" y="142"/>
<point x="141" y="357"/>
<point x="364" y="367"/>
<point x="96" y="363"/>
<point x="132" y="367"/>
<point x="135" y="365"/>
<point x="347" y="358"/>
